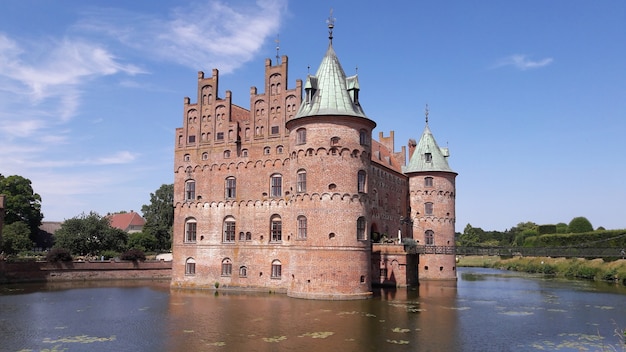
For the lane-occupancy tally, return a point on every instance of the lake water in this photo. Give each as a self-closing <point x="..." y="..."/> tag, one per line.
<point x="488" y="310"/>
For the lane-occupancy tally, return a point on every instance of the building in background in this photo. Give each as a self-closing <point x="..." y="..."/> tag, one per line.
<point x="130" y="222"/>
<point x="293" y="195"/>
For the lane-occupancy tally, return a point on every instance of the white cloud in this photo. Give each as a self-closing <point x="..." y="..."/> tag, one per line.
<point x="522" y="62"/>
<point x="123" y="157"/>
<point x="205" y="34"/>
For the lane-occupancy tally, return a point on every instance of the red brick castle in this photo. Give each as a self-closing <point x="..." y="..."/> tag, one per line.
<point x="293" y="195"/>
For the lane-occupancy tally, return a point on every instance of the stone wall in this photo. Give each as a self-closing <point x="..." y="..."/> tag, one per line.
<point x="80" y="271"/>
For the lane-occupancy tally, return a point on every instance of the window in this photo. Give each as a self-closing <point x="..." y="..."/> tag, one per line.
<point x="187" y="157"/>
<point x="276" y="229"/>
<point x="229" y="229"/>
<point x="428" y="181"/>
<point x="266" y="150"/>
<point x="248" y="236"/>
<point x="364" y="138"/>
<point x="231" y="188"/>
<point x="428" y="157"/>
<point x="205" y="156"/>
<point x="243" y="271"/>
<point x="219" y="136"/>
<point x="190" y="230"/>
<point x="276" y="186"/>
<point x="190" y="266"/>
<point x="430" y="237"/>
<point x="301" y="181"/>
<point x="192" y="139"/>
<point x="302" y="227"/>
<point x="227" y="267"/>
<point x="361" y="181"/>
<point x="244" y="153"/>
<point x="428" y="208"/>
<point x="242" y="236"/>
<point x="190" y="190"/>
<point x="360" y="228"/>
<point x="334" y="141"/>
<point x="226" y="154"/>
<point x="276" y="269"/>
<point x="274" y="130"/>
<point x="279" y="149"/>
<point x="301" y="136"/>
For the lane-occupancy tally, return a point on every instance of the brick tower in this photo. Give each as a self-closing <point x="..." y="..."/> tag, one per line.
<point x="432" y="202"/>
<point x="331" y="135"/>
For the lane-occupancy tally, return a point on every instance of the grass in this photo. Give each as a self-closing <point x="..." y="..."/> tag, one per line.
<point x="573" y="268"/>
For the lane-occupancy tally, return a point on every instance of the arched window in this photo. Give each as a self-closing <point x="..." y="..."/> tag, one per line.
<point x="302" y="227"/>
<point x="226" y="154"/>
<point x="364" y="138"/>
<point x="205" y="156"/>
<point x="300" y="136"/>
<point x="227" y="267"/>
<point x="430" y="237"/>
<point x="428" y="208"/>
<point x="229" y="229"/>
<point x="360" y="228"/>
<point x="279" y="149"/>
<point x="230" y="188"/>
<point x="244" y="153"/>
<point x="301" y="181"/>
<point x="362" y="178"/>
<point x="428" y="181"/>
<point x="190" y="266"/>
<point x="187" y="157"/>
<point x="276" y="269"/>
<point x="276" y="229"/>
<point x="266" y="150"/>
<point x="190" y="190"/>
<point x="276" y="185"/>
<point x="190" y="230"/>
<point x="243" y="271"/>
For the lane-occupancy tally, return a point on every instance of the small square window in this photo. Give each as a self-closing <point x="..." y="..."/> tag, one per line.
<point x="192" y="139"/>
<point x="220" y="136"/>
<point x="275" y="130"/>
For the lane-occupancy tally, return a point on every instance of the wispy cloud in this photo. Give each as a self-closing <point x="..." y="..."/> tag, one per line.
<point x="222" y="34"/>
<point x="523" y="62"/>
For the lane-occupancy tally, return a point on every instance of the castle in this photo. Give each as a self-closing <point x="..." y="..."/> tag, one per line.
<point x="293" y="195"/>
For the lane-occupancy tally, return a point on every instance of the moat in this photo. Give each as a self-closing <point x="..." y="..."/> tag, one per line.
<point x="488" y="310"/>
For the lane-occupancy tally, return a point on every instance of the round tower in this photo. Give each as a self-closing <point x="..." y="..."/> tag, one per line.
<point x="432" y="200"/>
<point x="329" y="141"/>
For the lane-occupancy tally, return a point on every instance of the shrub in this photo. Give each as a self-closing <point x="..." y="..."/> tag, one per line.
<point x="133" y="254"/>
<point x="58" y="255"/>
<point x="579" y="225"/>
<point x="109" y="254"/>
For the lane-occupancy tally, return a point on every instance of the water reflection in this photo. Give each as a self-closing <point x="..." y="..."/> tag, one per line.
<point x="487" y="310"/>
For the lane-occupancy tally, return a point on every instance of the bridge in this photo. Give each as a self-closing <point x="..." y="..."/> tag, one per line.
<point x="578" y="252"/>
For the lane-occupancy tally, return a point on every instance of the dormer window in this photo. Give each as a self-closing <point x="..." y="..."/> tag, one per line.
<point x="428" y="157"/>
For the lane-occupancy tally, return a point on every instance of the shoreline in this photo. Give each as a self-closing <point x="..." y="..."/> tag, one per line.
<point x="570" y="268"/>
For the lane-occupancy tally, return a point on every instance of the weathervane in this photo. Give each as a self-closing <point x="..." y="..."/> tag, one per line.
<point x="331" y="24"/>
<point x="277" y="40"/>
<point x="426" y="113"/>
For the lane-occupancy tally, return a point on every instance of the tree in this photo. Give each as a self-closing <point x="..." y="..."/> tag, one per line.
<point x="22" y="203"/>
<point x="159" y="215"/>
<point x="143" y="241"/>
<point x="90" y="234"/>
<point x="16" y="238"/>
<point x="469" y="237"/>
<point x="579" y="224"/>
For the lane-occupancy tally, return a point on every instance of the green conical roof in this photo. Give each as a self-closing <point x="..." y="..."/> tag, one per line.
<point x="330" y="92"/>
<point x="428" y="156"/>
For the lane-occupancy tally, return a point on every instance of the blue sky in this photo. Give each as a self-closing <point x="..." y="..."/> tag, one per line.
<point x="530" y="96"/>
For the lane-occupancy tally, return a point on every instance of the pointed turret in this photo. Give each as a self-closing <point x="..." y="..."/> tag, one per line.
<point x="329" y="91"/>
<point x="428" y="156"/>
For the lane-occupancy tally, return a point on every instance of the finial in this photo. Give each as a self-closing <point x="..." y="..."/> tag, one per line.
<point x="331" y="24"/>
<point x="357" y="69"/>
<point x="277" y="40"/>
<point x="426" y="113"/>
<point x="308" y="69"/>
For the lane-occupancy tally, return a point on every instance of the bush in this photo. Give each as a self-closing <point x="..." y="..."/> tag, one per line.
<point x="58" y="255"/>
<point x="109" y="254"/>
<point x="134" y="255"/>
<point x="579" y="225"/>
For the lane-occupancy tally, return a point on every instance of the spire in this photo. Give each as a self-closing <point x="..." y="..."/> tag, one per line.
<point x="329" y="91"/>
<point x="331" y="24"/>
<point x="428" y="156"/>
<point x="277" y="41"/>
